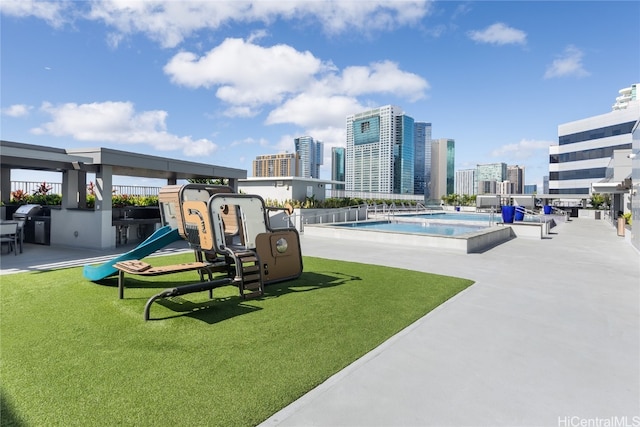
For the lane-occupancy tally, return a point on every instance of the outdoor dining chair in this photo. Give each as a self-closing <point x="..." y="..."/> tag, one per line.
<point x="9" y="235"/>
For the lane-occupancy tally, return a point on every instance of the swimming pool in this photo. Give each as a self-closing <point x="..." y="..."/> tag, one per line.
<point x="415" y="227"/>
<point x="466" y="238"/>
<point x="457" y="216"/>
<point x="460" y="217"/>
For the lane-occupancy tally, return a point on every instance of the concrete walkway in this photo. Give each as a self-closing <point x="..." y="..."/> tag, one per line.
<point x="549" y="335"/>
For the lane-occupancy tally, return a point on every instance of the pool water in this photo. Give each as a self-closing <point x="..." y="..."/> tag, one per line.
<point x="459" y="216"/>
<point x="468" y="217"/>
<point x="415" y="227"/>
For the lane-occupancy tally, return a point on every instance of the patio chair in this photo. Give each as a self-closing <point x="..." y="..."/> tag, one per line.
<point x="9" y="235"/>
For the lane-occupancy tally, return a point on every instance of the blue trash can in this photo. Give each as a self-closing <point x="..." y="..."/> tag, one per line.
<point x="457" y="208"/>
<point x="508" y="213"/>
<point x="547" y="210"/>
<point x="519" y="213"/>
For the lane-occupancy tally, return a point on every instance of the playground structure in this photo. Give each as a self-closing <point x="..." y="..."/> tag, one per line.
<point x="231" y="237"/>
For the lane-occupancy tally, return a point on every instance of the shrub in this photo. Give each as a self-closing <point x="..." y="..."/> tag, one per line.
<point x="19" y="197"/>
<point x="121" y="200"/>
<point x="147" y="201"/>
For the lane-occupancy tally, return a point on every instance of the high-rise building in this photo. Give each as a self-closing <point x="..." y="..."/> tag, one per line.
<point x="271" y="165"/>
<point x="422" y="158"/>
<point x="310" y="152"/>
<point x="380" y="151"/>
<point x="504" y="187"/>
<point x="627" y="95"/>
<point x="515" y="175"/>
<point x="585" y="147"/>
<point x="337" y="166"/>
<point x="530" y="189"/>
<point x="466" y="183"/>
<point x="443" y="152"/>
<point x="489" y="175"/>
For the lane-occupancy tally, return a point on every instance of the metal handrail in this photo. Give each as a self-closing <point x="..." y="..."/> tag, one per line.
<point x="338" y="211"/>
<point x="492" y="215"/>
<point x="532" y="213"/>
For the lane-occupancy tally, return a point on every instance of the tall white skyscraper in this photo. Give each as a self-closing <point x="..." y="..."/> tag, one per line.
<point x="380" y="152"/>
<point x="466" y="183"/>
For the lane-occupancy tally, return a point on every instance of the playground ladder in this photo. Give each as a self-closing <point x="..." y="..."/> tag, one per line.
<point x="250" y="282"/>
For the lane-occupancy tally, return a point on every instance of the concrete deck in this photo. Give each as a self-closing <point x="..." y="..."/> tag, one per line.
<point x="549" y="335"/>
<point x="550" y="332"/>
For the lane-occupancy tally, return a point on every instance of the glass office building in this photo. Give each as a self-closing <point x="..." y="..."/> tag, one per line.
<point x="422" y="158"/>
<point x="489" y="175"/>
<point x="337" y="166"/>
<point x="403" y="156"/>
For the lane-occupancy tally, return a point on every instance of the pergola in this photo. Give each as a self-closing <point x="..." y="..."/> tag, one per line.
<point x="75" y="164"/>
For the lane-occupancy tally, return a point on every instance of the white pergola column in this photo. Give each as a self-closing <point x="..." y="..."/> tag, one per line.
<point x="74" y="189"/>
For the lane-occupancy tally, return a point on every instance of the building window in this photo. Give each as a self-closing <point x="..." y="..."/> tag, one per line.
<point x="578" y="174"/>
<point x="604" y="132"/>
<point x="595" y="153"/>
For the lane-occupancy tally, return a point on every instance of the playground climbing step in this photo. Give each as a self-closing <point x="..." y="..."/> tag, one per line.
<point x="251" y="285"/>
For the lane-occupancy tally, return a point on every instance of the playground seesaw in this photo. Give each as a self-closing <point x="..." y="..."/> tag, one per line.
<point x="230" y="235"/>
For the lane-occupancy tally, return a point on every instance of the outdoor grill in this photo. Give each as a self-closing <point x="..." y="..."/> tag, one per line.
<point x="24" y="212"/>
<point x="37" y="224"/>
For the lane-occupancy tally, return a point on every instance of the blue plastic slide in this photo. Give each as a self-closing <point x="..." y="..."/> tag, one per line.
<point x="158" y="240"/>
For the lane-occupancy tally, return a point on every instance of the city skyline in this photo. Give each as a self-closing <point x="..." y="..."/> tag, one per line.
<point x="223" y="82"/>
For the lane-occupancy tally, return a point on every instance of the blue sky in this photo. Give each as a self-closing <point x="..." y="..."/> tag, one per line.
<point x="224" y="81"/>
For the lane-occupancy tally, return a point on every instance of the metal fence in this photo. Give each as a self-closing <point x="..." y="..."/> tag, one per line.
<point x="32" y="187"/>
<point x="333" y="193"/>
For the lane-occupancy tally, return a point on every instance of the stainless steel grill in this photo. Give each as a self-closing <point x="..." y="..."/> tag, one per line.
<point x="25" y="212"/>
<point x="36" y="226"/>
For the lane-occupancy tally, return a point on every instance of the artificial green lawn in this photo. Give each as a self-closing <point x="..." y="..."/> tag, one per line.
<point x="74" y="354"/>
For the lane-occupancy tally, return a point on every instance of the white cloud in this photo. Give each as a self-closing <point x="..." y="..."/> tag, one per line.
<point x="499" y="34"/>
<point x="17" y="110"/>
<point x="307" y="110"/>
<point x="169" y="22"/>
<point x="524" y="149"/>
<point x="51" y="12"/>
<point x="461" y="10"/>
<point x="118" y="122"/>
<point x="241" y="71"/>
<point x="568" y="64"/>
<point x="309" y="92"/>
<point x="382" y="77"/>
